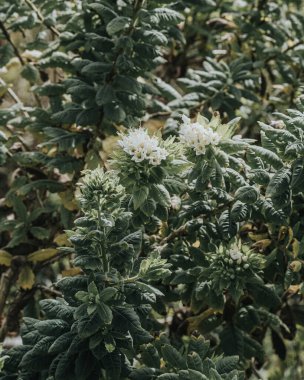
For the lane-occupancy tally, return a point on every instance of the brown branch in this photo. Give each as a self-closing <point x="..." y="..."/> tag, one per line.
<point x="41" y="17"/>
<point x="182" y="230"/>
<point x="284" y="51"/>
<point x="12" y="320"/>
<point x="9" y="40"/>
<point x="51" y="292"/>
<point x="52" y="260"/>
<point x="13" y="95"/>
<point x="6" y="282"/>
<point x="8" y="278"/>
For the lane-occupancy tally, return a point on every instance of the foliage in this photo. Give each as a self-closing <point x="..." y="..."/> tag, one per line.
<point x="134" y="263"/>
<point x="84" y="82"/>
<point x="104" y="317"/>
<point x="189" y="230"/>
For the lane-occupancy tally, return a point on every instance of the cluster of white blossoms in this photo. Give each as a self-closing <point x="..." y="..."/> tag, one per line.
<point x="235" y="255"/>
<point x="140" y="146"/>
<point x="197" y="135"/>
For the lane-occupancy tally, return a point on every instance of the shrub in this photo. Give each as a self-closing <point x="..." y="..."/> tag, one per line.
<point x="212" y="233"/>
<point x="190" y="222"/>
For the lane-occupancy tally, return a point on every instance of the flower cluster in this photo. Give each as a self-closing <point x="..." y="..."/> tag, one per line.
<point x="236" y="256"/>
<point x="198" y="135"/>
<point x="231" y="268"/>
<point x="100" y="190"/>
<point x="140" y="146"/>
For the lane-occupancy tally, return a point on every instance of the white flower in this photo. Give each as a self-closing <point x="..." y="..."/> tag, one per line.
<point x="176" y="202"/>
<point x="236" y="255"/>
<point x="197" y="136"/>
<point x="140" y="146"/>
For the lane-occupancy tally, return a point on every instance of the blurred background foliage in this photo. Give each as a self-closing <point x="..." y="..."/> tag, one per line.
<point x="74" y="73"/>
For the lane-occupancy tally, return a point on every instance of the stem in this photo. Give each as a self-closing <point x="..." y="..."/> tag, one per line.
<point x="51" y="260"/>
<point x="131" y="279"/>
<point x="6" y="281"/>
<point x="8" y="278"/>
<point x="52" y="292"/>
<point x="11" y="323"/>
<point x="7" y="36"/>
<point x="101" y="247"/>
<point x="182" y="230"/>
<point x="13" y="95"/>
<point x="41" y="18"/>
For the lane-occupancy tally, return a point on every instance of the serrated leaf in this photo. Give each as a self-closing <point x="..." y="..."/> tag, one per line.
<point x="279" y="182"/>
<point x="104" y="312"/>
<point x="105" y="94"/>
<point x="117" y="24"/>
<point x="173" y="357"/>
<point x="227" y="364"/>
<point x="246" y="194"/>
<point x="139" y="196"/>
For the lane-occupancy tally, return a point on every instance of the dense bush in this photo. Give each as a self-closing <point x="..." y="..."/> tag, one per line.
<point x="208" y="220"/>
<point x="190" y="231"/>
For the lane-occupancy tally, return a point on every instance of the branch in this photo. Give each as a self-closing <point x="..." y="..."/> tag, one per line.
<point x="285" y="50"/>
<point x="13" y="95"/>
<point x="52" y="260"/>
<point x="182" y="230"/>
<point x="12" y="320"/>
<point x="52" y="292"/>
<point x="41" y="18"/>
<point x="8" y="278"/>
<point x="8" y="37"/>
<point x="6" y="282"/>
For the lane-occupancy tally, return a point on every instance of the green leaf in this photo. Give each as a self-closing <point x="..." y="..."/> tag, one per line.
<point x="150" y="356"/>
<point x="127" y="84"/>
<point x="104" y="312"/>
<point x="161" y="195"/>
<point x="165" y="16"/>
<point x="118" y="24"/>
<point x="232" y="341"/>
<point x="173" y="357"/>
<point x="267" y="155"/>
<point x="20" y="208"/>
<point x="84" y="365"/>
<point x="143" y="374"/>
<point x="105" y="94"/>
<point x="89" y="326"/>
<point x="148" y="207"/>
<point x="139" y="196"/>
<point x="90" y="116"/>
<point x="112" y="363"/>
<point x="149" y="289"/>
<point x="40" y="233"/>
<point x="246" y="194"/>
<point x="41" y="184"/>
<point x="264" y="295"/>
<point x="108" y="293"/>
<point x="227" y="364"/>
<point x="64" y="367"/>
<point x="62" y="343"/>
<point x="68" y="116"/>
<point x="114" y="112"/>
<point x="279" y="182"/>
<point x="297" y="180"/>
<point x="30" y="73"/>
